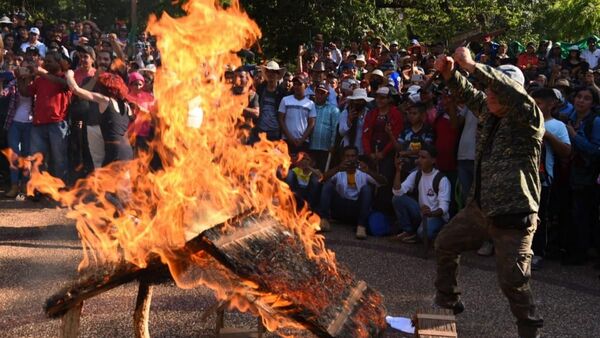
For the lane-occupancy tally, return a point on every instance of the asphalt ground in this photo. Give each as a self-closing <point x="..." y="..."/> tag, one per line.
<point x="39" y="253"/>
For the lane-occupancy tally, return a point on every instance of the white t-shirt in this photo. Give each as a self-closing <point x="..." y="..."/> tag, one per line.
<point x="297" y="112"/>
<point x="351" y="192"/>
<point x="558" y="129"/>
<point x="591" y="57"/>
<point x="39" y="45"/>
<point x="467" y="144"/>
<point x="427" y="195"/>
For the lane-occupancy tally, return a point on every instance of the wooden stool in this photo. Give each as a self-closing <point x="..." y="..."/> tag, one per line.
<point x="435" y="323"/>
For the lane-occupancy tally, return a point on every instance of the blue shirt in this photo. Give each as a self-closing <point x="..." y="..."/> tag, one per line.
<point x="558" y="129"/>
<point x="323" y="136"/>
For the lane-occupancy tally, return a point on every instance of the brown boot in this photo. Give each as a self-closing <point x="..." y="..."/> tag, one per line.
<point x="12" y="193"/>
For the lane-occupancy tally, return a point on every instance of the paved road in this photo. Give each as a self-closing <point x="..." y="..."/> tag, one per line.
<point x="39" y="252"/>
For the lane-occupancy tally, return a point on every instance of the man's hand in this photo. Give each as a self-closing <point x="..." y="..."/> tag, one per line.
<point x="398" y="163"/>
<point x="297" y="142"/>
<point x="444" y="64"/>
<point x="388" y="130"/>
<point x="462" y="56"/>
<point x="301" y="50"/>
<point x="570" y="129"/>
<point x="425" y="211"/>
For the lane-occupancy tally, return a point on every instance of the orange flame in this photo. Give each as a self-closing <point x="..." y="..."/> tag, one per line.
<point x="129" y="211"/>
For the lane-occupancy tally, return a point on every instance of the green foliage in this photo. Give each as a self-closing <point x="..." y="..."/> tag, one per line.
<point x="570" y="19"/>
<point x="287" y="24"/>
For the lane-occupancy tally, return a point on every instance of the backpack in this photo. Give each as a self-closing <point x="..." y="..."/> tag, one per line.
<point x="436" y="182"/>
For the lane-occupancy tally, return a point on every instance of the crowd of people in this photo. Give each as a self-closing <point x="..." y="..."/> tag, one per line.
<point x="75" y="94"/>
<point x="378" y="139"/>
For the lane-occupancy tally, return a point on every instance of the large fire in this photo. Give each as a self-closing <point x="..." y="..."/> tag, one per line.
<point x="127" y="211"/>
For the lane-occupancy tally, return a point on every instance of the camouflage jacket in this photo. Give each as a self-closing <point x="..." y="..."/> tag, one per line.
<point x="508" y="148"/>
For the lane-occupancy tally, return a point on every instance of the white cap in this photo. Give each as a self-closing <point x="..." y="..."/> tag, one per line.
<point x="360" y="94"/>
<point x="377" y="72"/>
<point x="383" y="91"/>
<point x="34" y="30"/>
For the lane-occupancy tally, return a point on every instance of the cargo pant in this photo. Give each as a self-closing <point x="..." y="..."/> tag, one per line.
<point x="467" y="231"/>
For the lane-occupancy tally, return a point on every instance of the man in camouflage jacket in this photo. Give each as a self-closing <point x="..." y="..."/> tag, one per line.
<point x="505" y="197"/>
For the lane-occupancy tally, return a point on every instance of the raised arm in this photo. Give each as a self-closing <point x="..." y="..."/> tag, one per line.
<point x="84" y="93"/>
<point x="459" y="84"/>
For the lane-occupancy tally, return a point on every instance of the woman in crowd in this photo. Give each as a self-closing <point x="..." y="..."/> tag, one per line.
<point x="584" y="132"/>
<point x="116" y="114"/>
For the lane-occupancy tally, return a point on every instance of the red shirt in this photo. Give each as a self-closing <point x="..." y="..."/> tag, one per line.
<point x="394" y="118"/>
<point x="81" y="74"/>
<point x="51" y="101"/>
<point x="142" y="124"/>
<point x="525" y="61"/>
<point x="446" y="142"/>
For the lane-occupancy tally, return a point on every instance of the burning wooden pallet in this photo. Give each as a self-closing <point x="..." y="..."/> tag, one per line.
<point x="259" y="249"/>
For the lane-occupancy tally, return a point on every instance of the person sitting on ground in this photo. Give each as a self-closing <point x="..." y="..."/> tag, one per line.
<point x="432" y="202"/>
<point x="303" y="180"/>
<point x="414" y="137"/>
<point x="347" y="193"/>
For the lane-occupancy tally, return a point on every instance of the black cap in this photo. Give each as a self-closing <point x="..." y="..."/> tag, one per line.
<point x="322" y="86"/>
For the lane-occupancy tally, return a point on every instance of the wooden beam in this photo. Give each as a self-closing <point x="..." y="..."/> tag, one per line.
<point x="141" y="315"/>
<point x="69" y="327"/>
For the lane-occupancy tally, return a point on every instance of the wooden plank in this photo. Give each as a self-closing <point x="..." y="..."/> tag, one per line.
<point x="436" y="333"/>
<point x="141" y="315"/>
<point x="336" y="325"/>
<point x="69" y="327"/>
<point x="435" y="323"/>
<point x="435" y="316"/>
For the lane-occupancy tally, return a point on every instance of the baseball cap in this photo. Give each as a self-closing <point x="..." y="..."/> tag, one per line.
<point x="513" y="72"/>
<point x="562" y="83"/>
<point x="135" y="76"/>
<point x="322" y="86"/>
<point x="34" y="30"/>
<point x="383" y="91"/>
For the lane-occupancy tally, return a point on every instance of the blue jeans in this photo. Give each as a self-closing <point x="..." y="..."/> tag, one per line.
<point x="308" y="194"/>
<point x="19" y="137"/>
<point x="51" y="141"/>
<point x="332" y="205"/>
<point x="409" y="216"/>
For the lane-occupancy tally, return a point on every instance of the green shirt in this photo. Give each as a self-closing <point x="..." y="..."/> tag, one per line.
<point x="508" y="148"/>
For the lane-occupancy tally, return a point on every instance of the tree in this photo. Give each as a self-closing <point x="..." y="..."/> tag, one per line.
<point x="287" y="24"/>
<point x="570" y="20"/>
